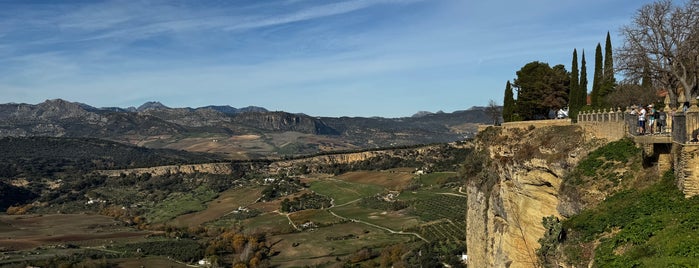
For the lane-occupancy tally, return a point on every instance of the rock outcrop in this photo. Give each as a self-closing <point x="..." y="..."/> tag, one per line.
<point x="519" y="187"/>
<point x="312" y="164"/>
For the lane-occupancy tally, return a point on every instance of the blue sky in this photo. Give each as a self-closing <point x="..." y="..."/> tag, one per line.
<point x="388" y="58"/>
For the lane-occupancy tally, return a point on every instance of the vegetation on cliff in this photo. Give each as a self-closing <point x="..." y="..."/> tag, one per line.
<point x="651" y="227"/>
<point x="637" y="219"/>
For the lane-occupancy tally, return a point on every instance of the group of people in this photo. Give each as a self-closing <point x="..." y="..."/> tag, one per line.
<point x="650" y="120"/>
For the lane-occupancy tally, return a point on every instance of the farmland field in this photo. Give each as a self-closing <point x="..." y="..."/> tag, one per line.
<point x="343" y="192"/>
<point x="181" y="203"/>
<point x="441" y="206"/>
<point x="226" y="202"/>
<point x="309" y="248"/>
<point x="27" y="232"/>
<point x="392" y="220"/>
<point x="318" y="216"/>
<point x="395" y="179"/>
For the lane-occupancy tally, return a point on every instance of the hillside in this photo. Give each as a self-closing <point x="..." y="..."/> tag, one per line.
<point x="246" y="133"/>
<point x="45" y="156"/>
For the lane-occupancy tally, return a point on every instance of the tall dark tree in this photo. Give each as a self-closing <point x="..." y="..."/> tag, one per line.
<point x="608" y="80"/>
<point x="646" y="79"/>
<point x="541" y="89"/>
<point x="508" y="104"/>
<point x="583" y="81"/>
<point x="597" y="78"/>
<point x="574" y="104"/>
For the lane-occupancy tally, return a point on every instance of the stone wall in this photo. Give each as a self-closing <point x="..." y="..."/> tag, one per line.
<point x="686" y="162"/>
<point x="535" y="123"/>
<point x="602" y="124"/>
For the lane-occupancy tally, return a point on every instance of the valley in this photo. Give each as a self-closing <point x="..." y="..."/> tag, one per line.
<point x="330" y="209"/>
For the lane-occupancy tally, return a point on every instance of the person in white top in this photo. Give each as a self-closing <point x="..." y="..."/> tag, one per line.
<point x="641" y="121"/>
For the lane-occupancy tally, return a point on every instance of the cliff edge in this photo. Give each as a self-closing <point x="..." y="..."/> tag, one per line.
<point x="518" y="185"/>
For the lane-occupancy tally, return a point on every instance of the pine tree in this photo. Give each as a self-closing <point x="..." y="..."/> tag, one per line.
<point x="508" y="104"/>
<point x="609" y="81"/>
<point x="583" y="82"/>
<point x="597" y="78"/>
<point x="574" y="103"/>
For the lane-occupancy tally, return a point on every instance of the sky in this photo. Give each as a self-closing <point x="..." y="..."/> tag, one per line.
<point x="387" y="58"/>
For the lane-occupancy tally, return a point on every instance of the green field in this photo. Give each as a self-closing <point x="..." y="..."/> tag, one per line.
<point x="441" y="206"/>
<point x="320" y="217"/>
<point x="268" y="222"/>
<point x="391" y="220"/>
<point x="435" y="178"/>
<point x="343" y="192"/>
<point x="320" y="246"/>
<point x="180" y="203"/>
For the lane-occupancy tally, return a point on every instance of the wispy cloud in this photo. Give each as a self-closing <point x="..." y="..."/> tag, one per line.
<point x="315" y="12"/>
<point x="406" y="54"/>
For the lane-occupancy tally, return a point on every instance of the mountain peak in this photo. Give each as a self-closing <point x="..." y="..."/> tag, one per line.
<point x="151" y="105"/>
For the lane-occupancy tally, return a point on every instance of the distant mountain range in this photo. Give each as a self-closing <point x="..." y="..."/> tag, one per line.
<point x="249" y="132"/>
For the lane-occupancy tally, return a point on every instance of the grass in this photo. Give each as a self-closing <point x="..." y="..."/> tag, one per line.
<point x="311" y="248"/>
<point x="436" y="178"/>
<point x="343" y="192"/>
<point x="603" y="162"/>
<point x="269" y="222"/>
<point x="394" y="179"/>
<point x="653" y="227"/>
<point x="225" y="203"/>
<point x="180" y="203"/>
<point x="319" y="217"/>
<point x="396" y="221"/>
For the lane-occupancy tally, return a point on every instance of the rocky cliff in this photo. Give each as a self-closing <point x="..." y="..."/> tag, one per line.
<point x="519" y="185"/>
<point x="425" y="154"/>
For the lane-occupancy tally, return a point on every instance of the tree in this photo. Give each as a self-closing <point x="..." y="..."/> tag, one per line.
<point x="541" y="89"/>
<point x="574" y="104"/>
<point x="665" y="39"/>
<point x="627" y="94"/>
<point x="608" y="80"/>
<point x="583" y="81"/>
<point x="494" y="112"/>
<point x="597" y="78"/>
<point x="508" y="104"/>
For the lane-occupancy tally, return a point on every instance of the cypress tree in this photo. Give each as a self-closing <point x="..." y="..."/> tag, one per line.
<point x="583" y="82"/>
<point x="574" y="103"/>
<point x="508" y="104"/>
<point x="608" y="76"/>
<point x="597" y="78"/>
<point x="646" y="80"/>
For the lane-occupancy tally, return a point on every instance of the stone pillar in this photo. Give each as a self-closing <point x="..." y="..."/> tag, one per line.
<point x="692" y="119"/>
<point x="669" y="112"/>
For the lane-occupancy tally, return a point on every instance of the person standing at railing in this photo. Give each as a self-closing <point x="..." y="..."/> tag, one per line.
<point x="641" y="120"/>
<point x="662" y="121"/>
<point x="651" y="119"/>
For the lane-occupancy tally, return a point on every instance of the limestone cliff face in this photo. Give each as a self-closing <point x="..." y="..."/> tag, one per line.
<point x="518" y="187"/>
<point x="212" y="168"/>
<point x="313" y="164"/>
